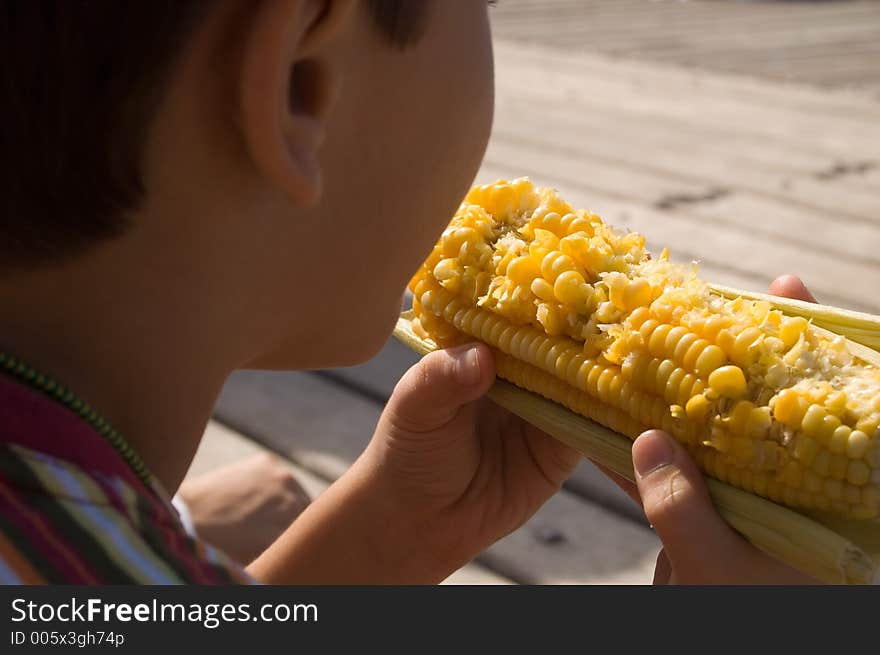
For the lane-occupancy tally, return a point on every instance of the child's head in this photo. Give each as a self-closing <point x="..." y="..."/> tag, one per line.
<point x="280" y="167"/>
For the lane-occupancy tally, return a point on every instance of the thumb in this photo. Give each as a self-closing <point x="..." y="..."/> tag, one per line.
<point x="790" y="286"/>
<point x="430" y="394"/>
<point x="677" y="504"/>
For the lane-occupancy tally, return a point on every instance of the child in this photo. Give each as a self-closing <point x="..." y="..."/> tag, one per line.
<point x="192" y="187"/>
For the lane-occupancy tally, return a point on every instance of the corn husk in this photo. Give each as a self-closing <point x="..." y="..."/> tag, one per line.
<point x="832" y="550"/>
<point x="858" y="327"/>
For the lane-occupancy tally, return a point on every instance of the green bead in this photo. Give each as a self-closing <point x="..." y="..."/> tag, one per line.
<point x="85" y="411"/>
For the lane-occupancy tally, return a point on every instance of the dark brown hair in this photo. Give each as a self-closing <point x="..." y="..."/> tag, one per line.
<point x="79" y="83"/>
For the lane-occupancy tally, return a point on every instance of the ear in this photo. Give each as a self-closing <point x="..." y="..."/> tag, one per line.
<point x="287" y="86"/>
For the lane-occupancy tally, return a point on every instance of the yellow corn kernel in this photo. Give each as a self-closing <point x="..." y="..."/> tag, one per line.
<point x="697" y="408"/>
<point x="738" y="346"/>
<point x="551" y="319"/>
<point x="638" y="317"/>
<point x="683" y="347"/>
<point x="812" y="482"/>
<point x="523" y="270"/>
<point x="858" y="472"/>
<point x="574" y="224"/>
<point x="448" y="272"/>
<point x="728" y="381"/>
<point x="543" y="243"/>
<point x="632" y="294"/>
<point x="836" y="402"/>
<point x="657" y="342"/>
<point x="857" y="445"/>
<point x="833" y="489"/>
<point x="827" y="428"/>
<point x="791" y="475"/>
<point x="871" y="499"/>
<point x="791" y="329"/>
<point x="739" y="417"/>
<point x="543" y="289"/>
<point x="759" y="423"/>
<point x="713" y="325"/>
<point x="712" y="358"/>
<point x="851" y="493"/>
<point x="447" y="268"/>
<point x="742" y="449"/>
<point x="869" y="424"/>
<point x="554" y="263"/>
<point x="571" y="289"/>
<point x="458" y="237"/>
<point x="789" y="408"/>
<point x="813" y="419"/>
<point x="839" y="440"/>
<point x="822" y="463"/>
<point x="805" y="450"/>
<point x="838" y="466"/>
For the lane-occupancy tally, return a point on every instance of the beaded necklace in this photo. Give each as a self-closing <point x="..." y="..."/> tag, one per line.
<point x="55" y="391"/>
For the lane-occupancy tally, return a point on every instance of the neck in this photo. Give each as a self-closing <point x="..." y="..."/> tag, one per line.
<point x="152" y="371"/>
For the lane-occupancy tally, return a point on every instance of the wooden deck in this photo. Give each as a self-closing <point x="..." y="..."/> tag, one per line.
<point x="669" y="118"/>
<point x="833" y="43"/>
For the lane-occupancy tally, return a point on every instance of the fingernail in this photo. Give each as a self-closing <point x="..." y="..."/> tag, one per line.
<point x="467" y="365"/>
<point x="652" y="451"/>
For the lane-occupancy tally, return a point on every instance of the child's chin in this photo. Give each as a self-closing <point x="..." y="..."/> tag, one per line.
<point x="350" y="347"/>
<point x="367" y="341"/>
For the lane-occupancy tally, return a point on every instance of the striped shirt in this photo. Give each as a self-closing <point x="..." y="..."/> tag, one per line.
<point x="72" y="511"/>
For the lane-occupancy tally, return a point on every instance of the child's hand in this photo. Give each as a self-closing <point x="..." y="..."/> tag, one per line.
<point x="446" y="474"/>
<point x="460" y="469"/>
<point x="698" y="546"/>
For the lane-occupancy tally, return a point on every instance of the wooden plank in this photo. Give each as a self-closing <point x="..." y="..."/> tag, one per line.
<point x="324" y="428"/>
<point x="221" y="446"/>
<point x="803" y="41"/>
<point x="673" y="156"/>
<point x="614" y="129"/>
<point x="306" y="418"/>
<point x="796" y="113"/>
<point x="573" y="542"/>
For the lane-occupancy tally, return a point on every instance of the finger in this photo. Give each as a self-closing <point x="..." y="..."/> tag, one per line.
<point x="662" y="569"/>
<point x="430" y="393"/>
<point x="629" y="488"/>
<point x="678" y="506"/>
<point x="790" y="286"/>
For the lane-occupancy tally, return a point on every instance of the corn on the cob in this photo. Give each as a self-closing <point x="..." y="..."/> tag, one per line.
<point x="580" y="313"/>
